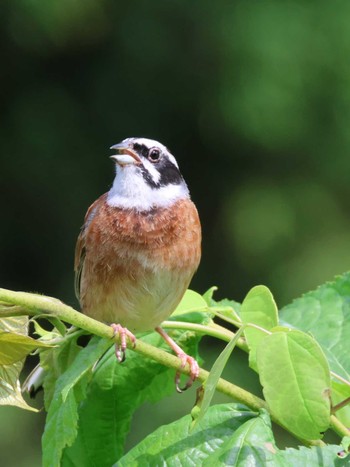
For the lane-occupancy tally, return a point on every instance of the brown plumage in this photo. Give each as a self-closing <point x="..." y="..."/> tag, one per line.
<point x="133" y="267"/>
<point x="139" y="247"/>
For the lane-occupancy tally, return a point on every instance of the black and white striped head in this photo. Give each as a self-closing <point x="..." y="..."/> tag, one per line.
<point x="147" y="176"/>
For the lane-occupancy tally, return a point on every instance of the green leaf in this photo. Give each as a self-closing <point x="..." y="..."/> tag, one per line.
<point x="226" y="303"/>
<point x="229" y="435"/>
<point x="175" y="445"/>
<point x="258" y="308"/>
<point x="10" y="389"/>
<point x="345" y="444"/>
<point x="12" y="355"/>
<point x="43" y="333"/>
<point x="227" y="314"/>
<point x="342" y="389"/>
<point x="192" y="309"/>
<point x="15" y="347"/>
<point x="215" y="374"/>
<point x="62" y="418"/>
<point x="325" y="312"/>
<point x="18" y="325"/>
<point x="59" y="327"/>
<point x="326" y="456"/>
<point x="191" y="301"/>
<point x="115" y="392"/>
<point x="208" y="295"/>
<point x="58" y="324"/>
<point x="55" y="362"/>
<point x="295" y="377"/>
<point x="251" y="444"/>
<point x="224" y="309"/>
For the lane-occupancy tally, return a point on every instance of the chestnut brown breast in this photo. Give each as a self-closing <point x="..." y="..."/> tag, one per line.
<point x="132" y="263"/>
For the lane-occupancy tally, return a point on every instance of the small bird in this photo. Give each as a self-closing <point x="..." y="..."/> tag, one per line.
<point x="139" y="246"/>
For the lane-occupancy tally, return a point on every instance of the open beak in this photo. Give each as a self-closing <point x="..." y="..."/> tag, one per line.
<point x="125" y="155"/>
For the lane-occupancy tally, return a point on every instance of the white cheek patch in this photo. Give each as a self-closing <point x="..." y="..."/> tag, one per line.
<point x="151" y="170"/>
<point x="131" y="191"/>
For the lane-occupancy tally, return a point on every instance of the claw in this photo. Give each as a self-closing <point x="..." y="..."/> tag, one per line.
<point x="123" y="334"/>
<point x="194" y="372"/>
<point x="194" y="368"/>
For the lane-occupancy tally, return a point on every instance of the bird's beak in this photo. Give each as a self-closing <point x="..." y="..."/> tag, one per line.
<point x="125" y="155"/>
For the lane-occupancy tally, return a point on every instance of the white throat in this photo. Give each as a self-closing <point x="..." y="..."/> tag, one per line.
<point x="131" y="191"/>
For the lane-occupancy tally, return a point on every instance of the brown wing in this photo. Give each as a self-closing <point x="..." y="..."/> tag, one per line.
<point x="80" y="251"/>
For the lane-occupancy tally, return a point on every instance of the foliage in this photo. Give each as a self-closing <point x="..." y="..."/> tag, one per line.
<point x="299" y="354"/>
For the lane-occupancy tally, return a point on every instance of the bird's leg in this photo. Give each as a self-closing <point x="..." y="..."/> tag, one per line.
<point x="123" y="334"/>
<point x="194" y="368"/>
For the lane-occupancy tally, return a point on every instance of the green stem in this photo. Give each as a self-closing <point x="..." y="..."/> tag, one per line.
<point x="341" y="404"/>
<point x="340" y="378"/>
<point x="338" y="427"/>
<point x="36" y="305"/>
<point x="213" y="330"/>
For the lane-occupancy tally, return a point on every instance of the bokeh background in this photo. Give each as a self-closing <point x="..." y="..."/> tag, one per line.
<point x="253" y="98"/>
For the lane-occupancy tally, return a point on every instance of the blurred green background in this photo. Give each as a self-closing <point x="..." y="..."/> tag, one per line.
<point x="253" y="98"/>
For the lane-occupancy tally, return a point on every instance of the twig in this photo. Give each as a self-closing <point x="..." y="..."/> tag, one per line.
<point x="36" y="305"/>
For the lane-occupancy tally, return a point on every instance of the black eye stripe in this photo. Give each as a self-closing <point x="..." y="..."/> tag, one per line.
<point x="169" y="173"/>
<point x="141" y="149"/>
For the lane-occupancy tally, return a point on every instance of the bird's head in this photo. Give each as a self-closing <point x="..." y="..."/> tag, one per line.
<point x="147" y="176"/>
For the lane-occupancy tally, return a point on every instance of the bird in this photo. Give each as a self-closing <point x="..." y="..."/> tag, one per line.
<point x="139" y="247"/>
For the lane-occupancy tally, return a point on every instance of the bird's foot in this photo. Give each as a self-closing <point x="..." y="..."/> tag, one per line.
<point x="123" y="334"/>
<point x="194" y="371"/>
<point x="194" y="367"/>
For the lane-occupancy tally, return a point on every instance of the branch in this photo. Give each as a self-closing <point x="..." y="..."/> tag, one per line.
<point x="36" y="305"/>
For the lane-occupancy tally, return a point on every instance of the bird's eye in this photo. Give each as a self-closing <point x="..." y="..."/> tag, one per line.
<point x="154" y="155"/>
